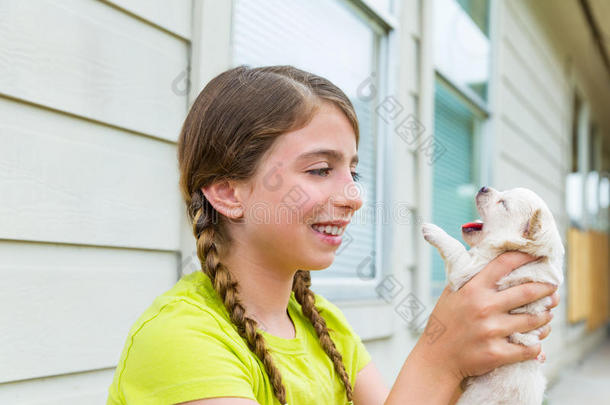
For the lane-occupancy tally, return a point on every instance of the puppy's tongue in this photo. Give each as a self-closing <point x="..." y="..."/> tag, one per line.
<point x="472" y="226"/>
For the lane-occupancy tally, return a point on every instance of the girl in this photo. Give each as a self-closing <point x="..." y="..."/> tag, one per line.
<point x="267" y="162"/>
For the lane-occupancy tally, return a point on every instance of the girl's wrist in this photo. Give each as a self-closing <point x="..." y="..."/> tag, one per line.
<point x="424" y="378"/>
<point x="427" y="355"/>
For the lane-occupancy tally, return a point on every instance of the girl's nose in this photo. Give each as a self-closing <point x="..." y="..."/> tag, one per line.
<point x="351" y="195"/>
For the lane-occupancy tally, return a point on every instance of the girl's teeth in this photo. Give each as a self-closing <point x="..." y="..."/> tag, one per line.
<point x="331" y="230"/>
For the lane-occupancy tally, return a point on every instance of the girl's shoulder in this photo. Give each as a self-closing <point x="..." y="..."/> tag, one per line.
<point x="176" y="345"/>
<point x="189" y="306"/>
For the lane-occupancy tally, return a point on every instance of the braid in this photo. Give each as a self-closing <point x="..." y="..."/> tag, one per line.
<point x="305" y="297"/>
<point x="227" y="288"/>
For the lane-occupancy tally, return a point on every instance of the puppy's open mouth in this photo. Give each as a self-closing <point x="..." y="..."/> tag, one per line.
<point x="472" y="226"/>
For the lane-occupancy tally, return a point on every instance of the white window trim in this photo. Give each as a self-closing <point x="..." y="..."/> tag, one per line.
<point x="371" y="316"/>
<point x="385" y="19"/>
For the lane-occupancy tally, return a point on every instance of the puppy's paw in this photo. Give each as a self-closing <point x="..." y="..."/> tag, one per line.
<point x="535" y="307"/>
<point x="545" y="302"/>
<point x="431" y="232"/>
<point x="521" y="310"/>
<point x="526" y="339"/>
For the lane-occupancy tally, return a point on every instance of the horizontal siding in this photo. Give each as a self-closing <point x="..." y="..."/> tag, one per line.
<point x="67" y="180"/>
<point x="534" y="107"/>
<point x="95" y="61"/>
<point x="522" y="30"/>
<point x="174" y="17"/>
<point x="71" y="307"/>
<point x="72" y="389"/>
<point x="92" y="98"/>
<point x="531" y="158"/>
<point x="519" y="69"/>
<point x="536" y="100"/>
<point x="521" y="115"/>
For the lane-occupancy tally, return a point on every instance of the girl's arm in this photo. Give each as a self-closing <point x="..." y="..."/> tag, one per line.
<point x="465" y="336"/>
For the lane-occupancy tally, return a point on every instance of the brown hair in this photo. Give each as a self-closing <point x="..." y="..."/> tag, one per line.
<point x="232" y="123"/>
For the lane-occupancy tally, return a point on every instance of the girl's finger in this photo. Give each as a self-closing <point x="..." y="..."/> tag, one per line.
<point x="514" y="353"/>
<point x="544" y="331"/>
<point x="554" y="300"/>
<point x="501" y="266"/>
<point x="522" y="323"/>
<point x="519" y="295"/>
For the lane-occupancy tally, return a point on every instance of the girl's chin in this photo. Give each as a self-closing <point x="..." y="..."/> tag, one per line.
<point x="321" y="261"/>
<point x="319" y="267"/>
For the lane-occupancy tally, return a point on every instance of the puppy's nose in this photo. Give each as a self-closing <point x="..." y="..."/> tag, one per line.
<point x="483" y="189"/>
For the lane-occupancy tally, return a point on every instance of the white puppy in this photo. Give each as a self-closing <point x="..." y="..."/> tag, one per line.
<point x="519" y="220"/>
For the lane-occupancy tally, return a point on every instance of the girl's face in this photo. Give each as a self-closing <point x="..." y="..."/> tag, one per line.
<point x="306" y="178"/>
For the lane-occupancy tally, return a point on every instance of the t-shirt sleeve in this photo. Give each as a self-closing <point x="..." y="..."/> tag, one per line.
<point x="183" y="354"/>
<point x="346" y="336"/>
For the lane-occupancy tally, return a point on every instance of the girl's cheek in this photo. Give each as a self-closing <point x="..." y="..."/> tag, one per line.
<point x="318" y="204"/>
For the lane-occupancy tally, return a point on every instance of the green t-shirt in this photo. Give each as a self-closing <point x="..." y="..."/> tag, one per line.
<point x="184" y="347"/>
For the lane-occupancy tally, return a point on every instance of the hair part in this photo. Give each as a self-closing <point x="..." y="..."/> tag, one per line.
<point x="232" y="123"/>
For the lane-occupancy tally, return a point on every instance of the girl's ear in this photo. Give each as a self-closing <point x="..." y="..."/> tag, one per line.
<point x="223" y="196"/>
<point x="533" y="225"/>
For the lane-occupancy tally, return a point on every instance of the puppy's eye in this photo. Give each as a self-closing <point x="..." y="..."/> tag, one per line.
<point x="503" y="203"/>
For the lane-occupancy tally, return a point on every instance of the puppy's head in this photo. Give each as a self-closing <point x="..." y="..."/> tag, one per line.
<point x="517" y="216"/>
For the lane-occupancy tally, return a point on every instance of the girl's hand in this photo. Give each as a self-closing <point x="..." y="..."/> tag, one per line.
<point x="473" y="323"/>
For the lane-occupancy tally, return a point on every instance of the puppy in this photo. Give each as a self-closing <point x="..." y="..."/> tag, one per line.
<point x="516" y="219"/>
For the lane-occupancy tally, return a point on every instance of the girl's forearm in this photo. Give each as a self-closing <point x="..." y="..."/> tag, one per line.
<point x="424" y="381"/>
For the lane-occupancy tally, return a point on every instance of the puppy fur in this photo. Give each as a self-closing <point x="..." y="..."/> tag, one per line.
<point x="513" y="220"/>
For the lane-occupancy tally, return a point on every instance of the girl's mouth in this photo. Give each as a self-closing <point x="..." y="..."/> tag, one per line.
<point x="328" y="234"/>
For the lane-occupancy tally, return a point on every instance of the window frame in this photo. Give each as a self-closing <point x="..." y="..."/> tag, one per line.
<point x="369" y="314"/>
<point x="353" y="291"/>
<point x="211" y="53"/>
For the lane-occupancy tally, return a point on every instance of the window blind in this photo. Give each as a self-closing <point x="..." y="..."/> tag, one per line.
<point x="453" y="183"/>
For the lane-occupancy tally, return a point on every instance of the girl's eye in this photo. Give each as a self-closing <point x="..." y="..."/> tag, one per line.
<point x="319" y="171"/>
<point x="326" y="170"/>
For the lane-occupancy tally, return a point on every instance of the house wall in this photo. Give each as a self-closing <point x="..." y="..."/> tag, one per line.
<point x="90" y="110"/>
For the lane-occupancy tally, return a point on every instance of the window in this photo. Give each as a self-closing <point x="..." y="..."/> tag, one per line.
<point x="461" y="43"/>
<point x="462" y="63"/>
<point x="587" y="185"/>
<point x="304" y="33"/>
<point x="455" y="175"/>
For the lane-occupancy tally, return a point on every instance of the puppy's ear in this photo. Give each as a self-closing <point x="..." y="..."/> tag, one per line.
<point x="533" y="225"/>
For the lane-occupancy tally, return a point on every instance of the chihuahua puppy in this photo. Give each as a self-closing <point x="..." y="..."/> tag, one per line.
<point x="516" y="219"/>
